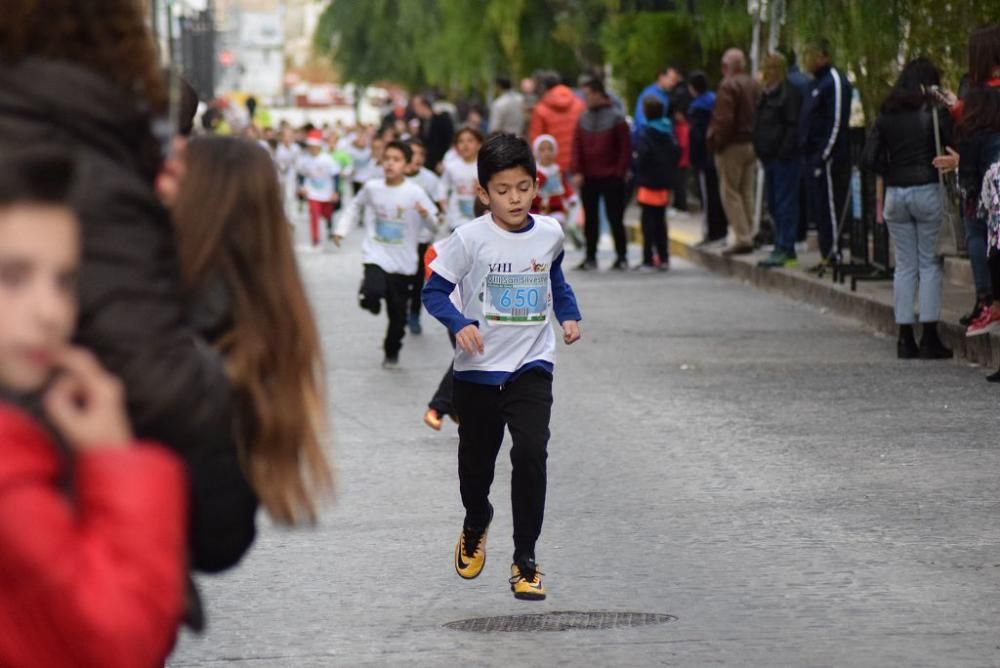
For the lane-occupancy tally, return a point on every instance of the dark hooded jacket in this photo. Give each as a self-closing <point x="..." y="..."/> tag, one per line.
<point x="132" y="314"/>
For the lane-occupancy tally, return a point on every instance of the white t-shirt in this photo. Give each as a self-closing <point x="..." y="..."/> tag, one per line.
<point x="360" y="157"/>
<point x="391" y="232"/>
<point x="369" y="172"/>
<point x="430" y="182"/>
<point x="458" y="186"/>
<point x="503" y="280"/>
<point x="319" y="172"/>
<point x="286" y="157"/>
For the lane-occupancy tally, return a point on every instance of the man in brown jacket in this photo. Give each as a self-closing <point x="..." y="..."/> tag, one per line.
<point x="729" y="138"/>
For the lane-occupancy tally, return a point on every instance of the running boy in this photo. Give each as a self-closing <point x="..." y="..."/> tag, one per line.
<point x="508" y="267"/>
<point x="457" y="191"/>
<point x="400" y="209"/>
<point x="429" y="181"/>
<point x="320" y="174"/>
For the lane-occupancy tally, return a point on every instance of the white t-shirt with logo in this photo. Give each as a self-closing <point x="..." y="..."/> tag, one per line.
<point x="458" y="186"/>
<point x="286" y="157"/>
<point x="319" y="172"/>
<point x="430" y="182"/>
<point x="391" y="231"/>
<point x="503" y="280"/>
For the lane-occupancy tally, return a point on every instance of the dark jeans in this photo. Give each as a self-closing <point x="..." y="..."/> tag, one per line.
<point x="524" y="406"/>
<point x="781" y="178"/>
<point x="379" y="285"/>
<point x="654" y="233"/>
<point x="680" y="199"/>
<point x="975" y="241"/>
<point x="417" y="286"/>
<point x="828" y="191"/>
<point x="613" y="192"/>
<point x="716" y="225"/>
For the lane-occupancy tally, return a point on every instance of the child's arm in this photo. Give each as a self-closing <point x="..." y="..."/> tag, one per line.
<point x="444" y="190"/>
<point x="427" y="210"/>
<point x="436" y="297"/>
<point x="564" y="302"/>
<point x="349" y="220"/>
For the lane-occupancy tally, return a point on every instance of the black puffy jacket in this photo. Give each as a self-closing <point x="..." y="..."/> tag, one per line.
<point x="132" y="314"/>
<point x="656" y="157"/>
<point x="776" y="123"/>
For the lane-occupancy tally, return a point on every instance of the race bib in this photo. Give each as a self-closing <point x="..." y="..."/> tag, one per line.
<point x="467" y="207"/>
<point x="389" y="231"/>
<point x="516" y="299"/>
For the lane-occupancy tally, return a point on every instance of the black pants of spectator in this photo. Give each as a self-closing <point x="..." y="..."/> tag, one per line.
<point x="523" y="406"/>
<point x="680" y="193"/>
<point x="442" y="401"/>
<point x="418" y="281"/>
<point x="613" y="192"/>
<point x="805" y="212"/>
<point x="829" y="186"/>
<point x="716" y="225"/>
<point x="654" y="234"/>
<point x="379" y="285"/>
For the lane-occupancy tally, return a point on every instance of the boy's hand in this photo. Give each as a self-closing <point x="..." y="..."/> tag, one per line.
<point x="337" y="239"/>
<point x="577" y="181"/>
<point x="87" y="404"/>
<point x="571" y="332"/>
<point x="336" y="198"/>
<point x="421" y="210"/>
<point x="469" y="340"/>
<point x="302" y="192"/>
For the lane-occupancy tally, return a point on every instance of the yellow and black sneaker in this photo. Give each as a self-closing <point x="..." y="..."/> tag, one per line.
<point x="470" y="552"/>
<point x="526" y="581"/>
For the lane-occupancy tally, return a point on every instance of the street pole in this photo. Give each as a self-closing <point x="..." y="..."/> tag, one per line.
<point x="757" y="9"/>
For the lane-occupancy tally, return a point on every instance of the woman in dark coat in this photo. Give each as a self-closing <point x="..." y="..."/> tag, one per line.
<point x="84" y="76"/>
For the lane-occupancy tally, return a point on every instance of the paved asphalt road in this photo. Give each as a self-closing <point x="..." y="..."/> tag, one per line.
<point x="769" y="474"/>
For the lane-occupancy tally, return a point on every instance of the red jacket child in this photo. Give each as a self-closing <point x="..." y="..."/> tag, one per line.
<point x="94" y="577"/>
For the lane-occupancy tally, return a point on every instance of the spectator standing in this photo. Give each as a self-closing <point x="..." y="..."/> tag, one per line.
<point x="729" y="135"/>
<point x="902" y="149"/>
<point x="826" y="115"/>
<point x="776" y="143"/>
<point x="556" y="114"/>
<point x="602" y="152"/>
<point x="507" y="110"/>
<point x="700" y="116"/>
<point x="436" y="131"/>
<point x="666" y="80"/>
<point x="657" y="154"/>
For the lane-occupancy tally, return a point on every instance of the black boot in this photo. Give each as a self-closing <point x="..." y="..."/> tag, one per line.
<point x="993" y="377"/>
<point x="906" y="346"/>
<point x="931" y="347"/>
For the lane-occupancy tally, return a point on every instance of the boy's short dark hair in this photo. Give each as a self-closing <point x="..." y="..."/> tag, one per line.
<point x="402" y="147"/>
<point x="470" y="130"/>
<point x="597" y="86"/>
<point x="36" y="176"/>
<point x="504" y="151"/>
<point x="503" y="83"/>
<point x="699" y="82"/>
<point x="652" y="107"/>
<point x="416" y="141"/>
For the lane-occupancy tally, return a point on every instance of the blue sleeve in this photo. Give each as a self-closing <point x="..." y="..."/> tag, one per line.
<point x="437" y="299"/>
<point x="563" y="300"/>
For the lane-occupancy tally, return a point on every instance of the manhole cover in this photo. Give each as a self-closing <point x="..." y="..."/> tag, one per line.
<point x="560" y="621"/>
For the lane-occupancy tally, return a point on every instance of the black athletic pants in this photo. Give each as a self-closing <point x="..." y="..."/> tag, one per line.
<point x="394" y="289"/>
<point x="654" y="233"/>
<point x="613" y="192"/>
<point x="524" y="407"/>
<point x="716" y="225"/>
<point x="829" y="186"/>
<point x="442" y="400"/>
<point x="418" y="281"/>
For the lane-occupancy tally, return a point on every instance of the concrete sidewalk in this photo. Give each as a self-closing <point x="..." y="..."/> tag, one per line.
<point x="871" y="303"/>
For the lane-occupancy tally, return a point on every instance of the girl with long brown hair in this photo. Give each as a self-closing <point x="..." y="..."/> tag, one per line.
<point x="237" y="261"/>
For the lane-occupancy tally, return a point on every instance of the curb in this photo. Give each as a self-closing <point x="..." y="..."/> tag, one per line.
<point x="824" y="293"/>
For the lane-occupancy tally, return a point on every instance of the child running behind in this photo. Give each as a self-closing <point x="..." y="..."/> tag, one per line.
<point x="429" y="181"/>
<point x="656" y="156"/>
<point x="238" y="265"/>
<point x="555" y="193"/>
<point x="92" y="522"/>
<point x="507" y="266"/>
<point x="400" y="209"/>
<point x="320" y="174"/>
<point x="457" y="191"/>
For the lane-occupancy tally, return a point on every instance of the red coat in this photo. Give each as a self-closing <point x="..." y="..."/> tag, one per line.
<point x="94" y="582"/>
<point x="556" y="114"/>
